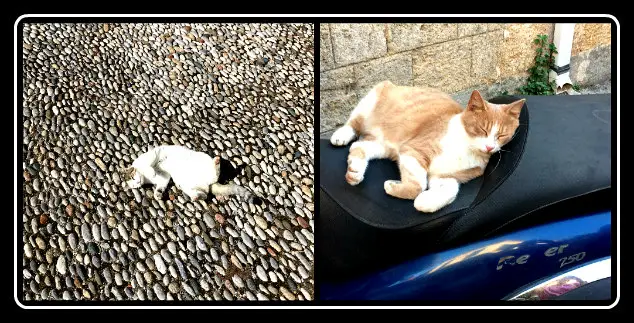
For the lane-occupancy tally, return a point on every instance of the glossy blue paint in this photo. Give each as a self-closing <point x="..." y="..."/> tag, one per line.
<point x="489" y="269"/>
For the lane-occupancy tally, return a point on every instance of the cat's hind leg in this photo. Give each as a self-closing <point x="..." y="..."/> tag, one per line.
<point x="354" y="125"/>
<point x="361" y="152"/>
<point x="441" y="192"/>
<point x="413" y="179"/>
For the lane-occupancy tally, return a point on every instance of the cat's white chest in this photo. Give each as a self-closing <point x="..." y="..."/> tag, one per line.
<point x="453" y="160"/>
<point x="456" y="154"/>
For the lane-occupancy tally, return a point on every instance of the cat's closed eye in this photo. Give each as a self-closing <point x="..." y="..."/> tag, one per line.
<point x="486" y="133"/>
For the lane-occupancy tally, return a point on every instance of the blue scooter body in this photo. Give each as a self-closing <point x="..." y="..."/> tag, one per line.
<point x="490" y="269"/>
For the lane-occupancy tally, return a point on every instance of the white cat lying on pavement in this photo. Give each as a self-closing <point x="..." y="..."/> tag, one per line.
<point x="193" y="172"/>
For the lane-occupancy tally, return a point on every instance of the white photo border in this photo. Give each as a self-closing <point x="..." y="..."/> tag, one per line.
<point x="316" y="305"/>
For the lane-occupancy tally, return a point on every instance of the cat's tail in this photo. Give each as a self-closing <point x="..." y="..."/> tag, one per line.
<point x="233" y="189"/>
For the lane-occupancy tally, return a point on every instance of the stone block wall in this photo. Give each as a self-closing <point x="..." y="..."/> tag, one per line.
<point x="456" y="58"/>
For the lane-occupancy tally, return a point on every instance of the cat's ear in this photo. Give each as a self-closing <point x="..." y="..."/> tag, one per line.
<point x="514" y="108"/>
<point x="128" y="172"/>
<point x="217" y="160"/>
<point x="476" y="102"/>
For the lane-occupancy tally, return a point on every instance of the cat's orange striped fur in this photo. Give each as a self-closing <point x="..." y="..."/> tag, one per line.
<point x="436" y="142"/>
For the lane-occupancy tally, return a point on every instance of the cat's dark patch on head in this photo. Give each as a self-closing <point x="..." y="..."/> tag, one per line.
<point x="228" y="172"/>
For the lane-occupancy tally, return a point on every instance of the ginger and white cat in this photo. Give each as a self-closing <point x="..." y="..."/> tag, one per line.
<point x="193" y="172"/>
<point x="436" y="143"/>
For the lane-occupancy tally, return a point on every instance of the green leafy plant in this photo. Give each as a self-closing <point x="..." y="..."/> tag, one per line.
<point x="576" y="87"/>
<point x="537" y="83"/>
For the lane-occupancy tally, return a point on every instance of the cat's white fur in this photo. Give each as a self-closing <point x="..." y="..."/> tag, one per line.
<point x="193" y="172"/>
<point x="345" y="134"/>
<point x="413" y="166"/>
<point x="457" y="153"/>
<point x="358" y="166"/>
<point x="457" y="149"/>
<point x="441" y="192"/>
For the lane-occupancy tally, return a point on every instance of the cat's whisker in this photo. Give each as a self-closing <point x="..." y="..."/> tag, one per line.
<point x="496" y="165"/>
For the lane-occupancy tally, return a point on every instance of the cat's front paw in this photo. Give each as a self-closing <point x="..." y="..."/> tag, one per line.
<point x="354" y="178"/>
<point x="158" y="195"/>
<point x="356" y="169"/>
<point x="429" y="202"/>
<point x="388" y="186"/>
<point x="342" y="136"/>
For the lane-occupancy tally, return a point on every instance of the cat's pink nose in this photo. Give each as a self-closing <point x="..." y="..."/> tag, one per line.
<point x="489" y="148"/>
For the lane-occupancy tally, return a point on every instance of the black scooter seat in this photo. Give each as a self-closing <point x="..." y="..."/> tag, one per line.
<point x="558" y="165"/>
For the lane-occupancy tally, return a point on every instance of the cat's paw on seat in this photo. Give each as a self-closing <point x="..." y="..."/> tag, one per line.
<point x="356" y="169"/>
<point x="342" y="136"/>
<point x="388" y="186"/>
<point x="354" y="178"/>
<point x="429" y="201"/>
<point x="436" y="197"/>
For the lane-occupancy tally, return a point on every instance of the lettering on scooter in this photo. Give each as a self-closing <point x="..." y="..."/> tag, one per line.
<point x="522" y="260"/>
<point x="510" y="260"/>
<point x="554" y="250"/>
<point x="571" y="259"/>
